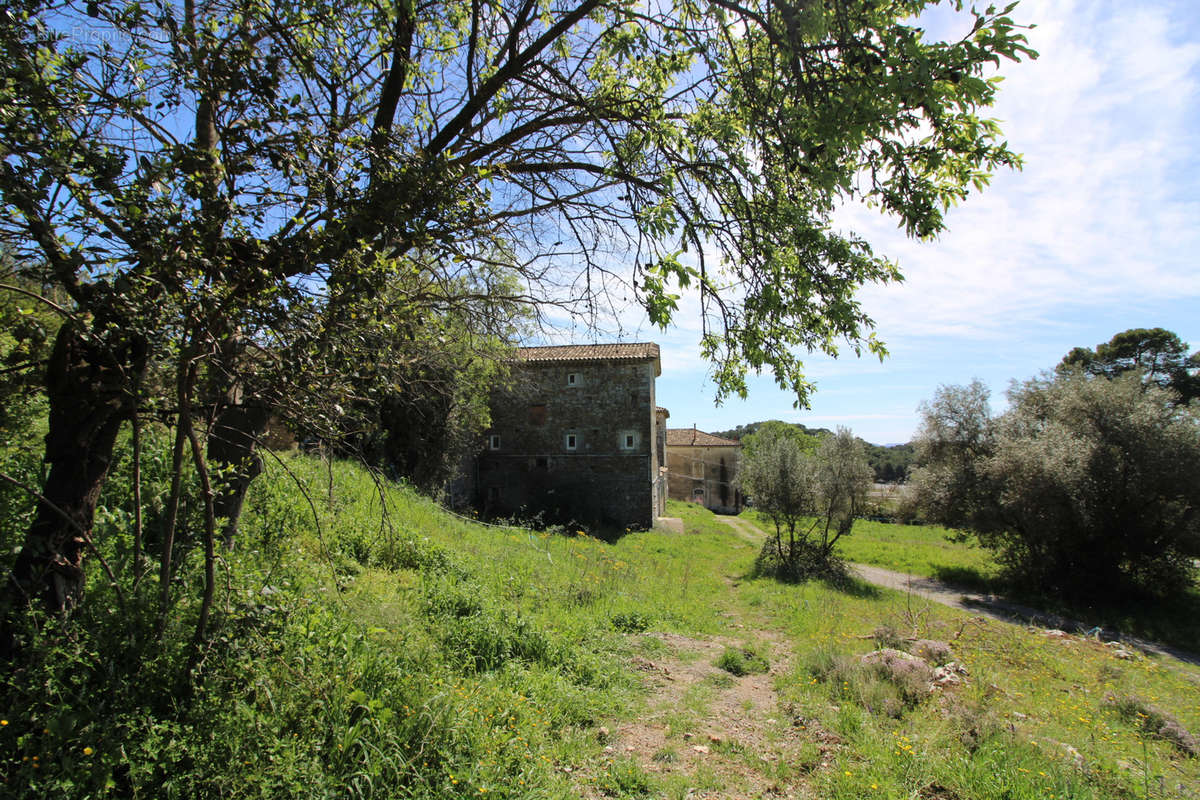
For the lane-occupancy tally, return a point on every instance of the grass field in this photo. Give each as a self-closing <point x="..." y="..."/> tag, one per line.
<point x="928" y="550"/>
<point x="916" y="549"/>
<point x="372" y="645"/>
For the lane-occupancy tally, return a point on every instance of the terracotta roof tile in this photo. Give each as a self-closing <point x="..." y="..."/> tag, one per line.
<point x="633" y="351"/>
<point x="690" y="437"/>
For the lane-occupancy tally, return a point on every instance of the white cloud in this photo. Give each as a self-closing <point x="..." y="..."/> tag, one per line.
<point x="1104" y="211"/>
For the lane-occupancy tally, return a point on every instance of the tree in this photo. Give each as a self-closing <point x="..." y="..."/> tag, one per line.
<point x="776" y="474"/>
<point x="1085" y="487"/>
<point x="951" y="447"/>
<point x="1159" y="355"/>
<point x="811" y="490"/>
<point x="842" y="477"/>
<point x="190" y="174"/>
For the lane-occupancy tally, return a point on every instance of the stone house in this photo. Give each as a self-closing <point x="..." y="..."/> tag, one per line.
<point x="577" y="437"/>
<point x="702" y="468"/>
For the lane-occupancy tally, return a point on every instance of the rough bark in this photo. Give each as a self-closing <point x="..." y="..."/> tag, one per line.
<point x="88" y="388"/>
<point x="239" y="420"/>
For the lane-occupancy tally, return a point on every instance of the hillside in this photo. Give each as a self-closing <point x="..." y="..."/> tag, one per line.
<point x="417" y="654"/>
<point x="890" y="462"/>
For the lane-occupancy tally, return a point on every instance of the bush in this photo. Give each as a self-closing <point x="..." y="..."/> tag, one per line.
<point x="1085" y="485"/>
<point x="742" y="661"/>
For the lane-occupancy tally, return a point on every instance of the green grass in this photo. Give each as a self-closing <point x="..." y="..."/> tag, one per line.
<point x="928" y="551"/>
<point x="368" y="644"/>
<point x="914" y="549"/>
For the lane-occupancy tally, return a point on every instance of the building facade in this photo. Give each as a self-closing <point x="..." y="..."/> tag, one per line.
<point x="702" y="468"/>
<point x="577" y="437"/>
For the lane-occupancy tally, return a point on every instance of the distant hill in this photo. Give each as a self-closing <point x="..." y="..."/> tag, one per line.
<point x="890" y="462"/>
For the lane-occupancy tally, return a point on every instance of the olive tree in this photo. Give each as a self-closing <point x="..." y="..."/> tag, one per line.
<point x="1085" y="487"/>
<point x="812" y="493"/>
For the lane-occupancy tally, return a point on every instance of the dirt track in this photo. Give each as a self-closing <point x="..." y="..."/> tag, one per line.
<point x="975" y="602"/>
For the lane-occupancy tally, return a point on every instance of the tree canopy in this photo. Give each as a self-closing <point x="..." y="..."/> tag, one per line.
<point x="1084" y="487"/>
<point x="195" y="176"/>
<point x="1159" y="355"/>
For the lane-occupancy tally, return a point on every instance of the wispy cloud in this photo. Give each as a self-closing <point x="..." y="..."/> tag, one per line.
<point x="1105" y="209"/>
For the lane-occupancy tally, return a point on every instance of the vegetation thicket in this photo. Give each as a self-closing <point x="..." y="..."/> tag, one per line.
<point x="1086" y="487"/>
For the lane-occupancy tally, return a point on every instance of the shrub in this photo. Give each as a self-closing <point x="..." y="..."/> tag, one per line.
<point x="813" y="495"/>
<point x="1084" y="485"/>
<point x="742" y="661"/>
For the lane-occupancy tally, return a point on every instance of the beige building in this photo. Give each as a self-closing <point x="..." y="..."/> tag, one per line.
<point x="701" y="469"/>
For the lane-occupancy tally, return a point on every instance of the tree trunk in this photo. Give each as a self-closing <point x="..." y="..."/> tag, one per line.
<point x="232" y="442"/>
<point x="239" y="419"/>
<point x="88" y="387"/>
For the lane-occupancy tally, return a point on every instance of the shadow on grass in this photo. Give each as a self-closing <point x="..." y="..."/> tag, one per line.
<point x="967" y="578"/>
<point x="833" y="572"/>
<point x="852" y="585"/>
<point x="1173" y="622"/>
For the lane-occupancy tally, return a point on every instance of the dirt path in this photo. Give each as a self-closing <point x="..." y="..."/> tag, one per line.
<point x="707" y="734"/>
<point x="744" y="529"/>
<point x="975" y="602"/>
<point x="714" y="734"/>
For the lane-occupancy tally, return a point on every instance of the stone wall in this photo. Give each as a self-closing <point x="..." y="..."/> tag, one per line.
<point x="705" y="475"/>
<point x="573" y="441"/>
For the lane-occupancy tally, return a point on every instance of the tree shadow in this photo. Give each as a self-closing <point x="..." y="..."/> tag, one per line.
<point x="966" y="578"/>
<point x="850" y="584"/>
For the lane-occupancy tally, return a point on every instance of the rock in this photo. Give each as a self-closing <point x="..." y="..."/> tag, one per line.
<point x="701" y="749"/>
<point x="1055" y="633"/>
<point x="1122" y="653"/>
<point x="948" y="675"/>
<point x="1074" y="754"/>
<point x="714" y="738"/>
<point x="688" y="735"/>
<point x="911" y="674"/>
<point x="602" y="733"/>
<point x="608" y="748"/>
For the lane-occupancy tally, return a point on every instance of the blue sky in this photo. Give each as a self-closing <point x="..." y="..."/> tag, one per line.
<point x="1099" y="233"/>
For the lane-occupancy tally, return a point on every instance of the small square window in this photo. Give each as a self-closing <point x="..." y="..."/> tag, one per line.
<point x="573" y="379"/>
<point x="494" y="441"/>
<point x="629" y="441"/>
<point x="572" y="441"/>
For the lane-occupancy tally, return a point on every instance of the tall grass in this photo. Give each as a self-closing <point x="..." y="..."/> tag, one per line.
<point x="369" y="644"/>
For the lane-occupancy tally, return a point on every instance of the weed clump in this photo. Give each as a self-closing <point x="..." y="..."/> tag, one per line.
<point x="1154" y="721"/>
<point x="625" y="779"/>
<point x="886" y="681"/>
<point x="631" y="622"/>
<point x="742" y="661"/>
